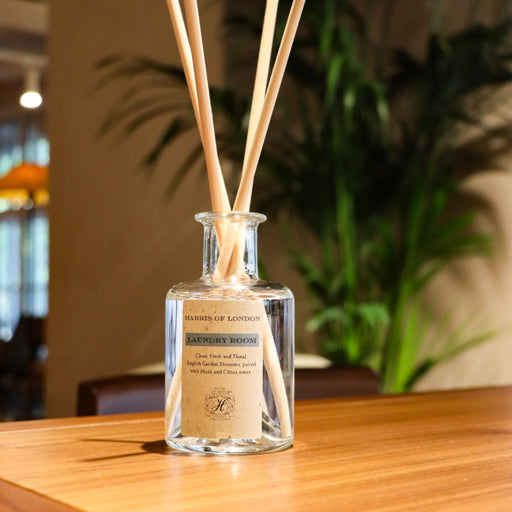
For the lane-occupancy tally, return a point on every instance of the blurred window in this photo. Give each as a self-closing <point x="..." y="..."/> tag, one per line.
<point x="24" y="232"/>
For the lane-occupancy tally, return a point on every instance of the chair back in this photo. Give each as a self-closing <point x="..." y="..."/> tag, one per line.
<point x="145" y="393"/>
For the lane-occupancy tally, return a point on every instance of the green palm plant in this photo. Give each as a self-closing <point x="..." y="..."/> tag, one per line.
<point x="370" y="185"/>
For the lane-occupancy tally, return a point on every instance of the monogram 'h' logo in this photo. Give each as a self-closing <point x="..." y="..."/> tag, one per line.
<point x="219" y="403"/>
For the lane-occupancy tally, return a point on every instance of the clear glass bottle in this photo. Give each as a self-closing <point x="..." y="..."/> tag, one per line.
<point x="229" y="348"/>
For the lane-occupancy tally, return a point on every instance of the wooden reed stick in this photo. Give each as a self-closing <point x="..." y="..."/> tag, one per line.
<point x="243" y="198"/>
<point x="173" y="396"/>
<point x="178" y="25"/>
<point x="262" y="70"/>
<point x="258" y="96"/>
<point x="230" y="261"/>
<point x="275" y="376"/>
<point x="218" y="193"/>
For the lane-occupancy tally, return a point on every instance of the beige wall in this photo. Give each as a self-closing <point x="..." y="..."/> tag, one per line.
<point x="117" y="242"/>
<point x="477" y="293"/>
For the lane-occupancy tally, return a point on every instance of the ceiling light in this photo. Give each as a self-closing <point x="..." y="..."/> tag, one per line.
<point x="31" y="97"/>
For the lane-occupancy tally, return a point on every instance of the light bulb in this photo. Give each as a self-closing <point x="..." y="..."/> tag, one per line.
<point x="31" y="99"/>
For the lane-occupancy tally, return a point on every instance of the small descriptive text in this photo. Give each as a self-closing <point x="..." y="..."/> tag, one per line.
<point x="220" y="364"/>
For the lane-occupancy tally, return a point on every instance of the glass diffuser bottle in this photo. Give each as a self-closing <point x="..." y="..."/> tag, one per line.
<point x="229" y="348"/>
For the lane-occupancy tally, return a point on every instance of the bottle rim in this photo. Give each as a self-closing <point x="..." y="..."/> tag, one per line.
<point x="247" y="217"/>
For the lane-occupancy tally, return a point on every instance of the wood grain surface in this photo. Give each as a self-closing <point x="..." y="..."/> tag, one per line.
<point x="447" y="451"/>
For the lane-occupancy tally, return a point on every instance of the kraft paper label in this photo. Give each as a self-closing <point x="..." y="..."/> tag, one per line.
<point x="222" y="369"/>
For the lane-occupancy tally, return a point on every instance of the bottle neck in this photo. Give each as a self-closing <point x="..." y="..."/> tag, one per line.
<point x="230" y="245"/>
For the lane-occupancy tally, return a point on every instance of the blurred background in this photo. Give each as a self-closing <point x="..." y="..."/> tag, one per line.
<point x="24" y="231"/>
<point x="90" y="241"/>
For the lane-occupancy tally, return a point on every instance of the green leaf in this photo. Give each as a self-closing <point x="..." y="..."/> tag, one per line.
<point x="333" y="78"/>
<point x="373" y="314"/>
<point x="332" y="314"/>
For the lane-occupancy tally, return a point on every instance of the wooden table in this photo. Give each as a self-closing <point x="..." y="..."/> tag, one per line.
<point x="438" y="452"/>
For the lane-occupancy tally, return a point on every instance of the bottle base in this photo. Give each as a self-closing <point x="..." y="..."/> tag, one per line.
<point x="228" y="446"/>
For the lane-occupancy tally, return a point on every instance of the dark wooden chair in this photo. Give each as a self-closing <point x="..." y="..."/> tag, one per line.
<point x="144" y="393"/>
<point x="335" y="382"/>
<point x="120" y="394"/>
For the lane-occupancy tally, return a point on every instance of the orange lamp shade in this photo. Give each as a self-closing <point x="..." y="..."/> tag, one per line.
<point x="28" y="177"/>
<point x="25" y="181"/>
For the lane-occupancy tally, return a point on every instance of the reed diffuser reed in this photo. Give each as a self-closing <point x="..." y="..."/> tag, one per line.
<point x="229" y="335"/>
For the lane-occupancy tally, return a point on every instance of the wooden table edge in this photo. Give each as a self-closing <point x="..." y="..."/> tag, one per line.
<point x="14" y="498"/>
